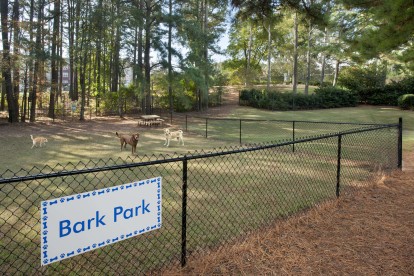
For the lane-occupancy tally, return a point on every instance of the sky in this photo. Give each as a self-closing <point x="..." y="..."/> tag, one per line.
<point x="223" y="43"/>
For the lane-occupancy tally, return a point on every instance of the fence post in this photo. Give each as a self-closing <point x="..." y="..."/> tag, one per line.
<point x="206" y="127"/>
<point x="240" y="140"/>
<point x="184" y="216"/>
<point x="338" y="166"/>
<point x="293" y="134"/>
<point x="400" y="143"/>
<point x="186" y="126"/>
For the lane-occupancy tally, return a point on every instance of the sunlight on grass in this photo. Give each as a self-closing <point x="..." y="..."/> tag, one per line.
<point x="228" y="195"/>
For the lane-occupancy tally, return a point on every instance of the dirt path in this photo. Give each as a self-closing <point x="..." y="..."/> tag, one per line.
<point x="371" y="233"/>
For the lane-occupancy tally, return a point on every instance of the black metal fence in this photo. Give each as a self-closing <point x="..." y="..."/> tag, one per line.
<point x="90" y="113"/>
<point x="208" y="198"/>
<point x="246" y="131"/>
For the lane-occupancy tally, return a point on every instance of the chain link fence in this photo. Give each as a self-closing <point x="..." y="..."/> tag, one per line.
<point x="246" y="131"/>
<point x="91" y="113"/>
<point x="208" y="198"/>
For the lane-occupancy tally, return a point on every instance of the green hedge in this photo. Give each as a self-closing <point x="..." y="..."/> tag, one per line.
<point x="406" y="101"/>
<point x="384" y="95"/>
<point x="327" y="97"/>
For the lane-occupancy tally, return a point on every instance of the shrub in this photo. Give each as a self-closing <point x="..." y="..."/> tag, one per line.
<point x="326" y="97"/>
<point x="406" y="101"/>
<point x="109" y="102"/>
<point x="387" y="95"/>
<point x="359" y="78"/>
<point x="330" y="97"/>
<point x="407" y="85"/>
<point x="251" y="97"/>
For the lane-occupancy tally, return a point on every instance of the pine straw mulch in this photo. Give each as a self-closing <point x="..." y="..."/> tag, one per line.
<point x="369" y="233"/>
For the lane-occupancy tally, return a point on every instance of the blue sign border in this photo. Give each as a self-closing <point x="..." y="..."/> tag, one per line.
<point x="46" y="259"/>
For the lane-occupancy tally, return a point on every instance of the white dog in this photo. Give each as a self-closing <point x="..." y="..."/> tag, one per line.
<point x="172" y="135"/>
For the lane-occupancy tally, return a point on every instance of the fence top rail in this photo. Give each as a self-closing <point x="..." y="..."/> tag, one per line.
<point x="291" y="121"/>
<point x="201" y="155"/>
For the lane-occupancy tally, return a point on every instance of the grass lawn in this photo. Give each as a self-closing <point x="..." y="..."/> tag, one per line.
<point x="227" y="195"/>
<point x="74" y="142"/>
<point x="361" y="114"/>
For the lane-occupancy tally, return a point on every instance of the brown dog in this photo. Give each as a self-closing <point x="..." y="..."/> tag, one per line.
<point x="129" y="139"/>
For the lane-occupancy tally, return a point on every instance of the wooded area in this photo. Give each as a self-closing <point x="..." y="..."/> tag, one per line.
<point x="100" y="49"/>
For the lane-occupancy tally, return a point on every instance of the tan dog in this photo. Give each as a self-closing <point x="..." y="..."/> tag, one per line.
<point x="172" y="135"/>
<point x="129" y="139"/>
<point x="38" y="141"/>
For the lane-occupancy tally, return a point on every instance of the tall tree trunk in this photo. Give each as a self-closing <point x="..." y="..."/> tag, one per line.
<point x="295" y="56"/>
<point x="135" y="68"/>
<point x="90" y="62"/>
<point x="170" y="96"/>
<point x="337" y="63"/>
<point x="61" y="61"/>
<point x="77" y="54"/>
<point x="6" y="70"/>
<point x="323" y="63"/>
<point x="269" y="55"/>
<point x="384" y="72"/>
<point x="3" y="96"/>
<point x="207" y="64"/>
<point x="326" y="41"/>
<point x="104" y="66"/>
<point x="42" y="72"/>
<point x="31" y="58"/>
<point x="249" y="56"/>
<point x="140" y="61"/>
<point x="134" y="59"/>
<point x="36" y="72"/>
<point x="82" y="80"/>
<point x="115" y="62"/>
<point x="99" y="51"/>
<point x="16" y="54"/>
<point x="54" y="59"/>
<point x="71" y="33"/>
<point x="25" y="89"/>
<point x="308" y="59"/>
<point x="83" y="58"/>
<point x="147" y="48"/>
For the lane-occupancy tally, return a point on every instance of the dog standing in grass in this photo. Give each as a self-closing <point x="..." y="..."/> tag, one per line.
<point x="38" y="141"/>
<point x="128" y="139"/>
<point x="173" y="135"/>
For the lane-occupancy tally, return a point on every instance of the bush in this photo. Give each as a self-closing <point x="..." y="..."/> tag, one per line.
<point x="387" y="95"/>
<point x="406" y="101"/>
<point x="330" y="97"/>
<point x="326" y="97"/>
<point x="359" y="78"/>
<point x="407" y="84"/>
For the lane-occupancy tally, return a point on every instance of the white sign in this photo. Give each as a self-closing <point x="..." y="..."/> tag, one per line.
<point x="75" y="224"/>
